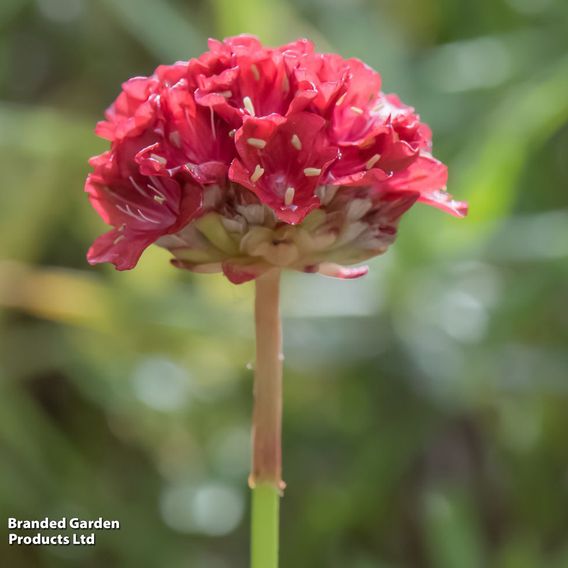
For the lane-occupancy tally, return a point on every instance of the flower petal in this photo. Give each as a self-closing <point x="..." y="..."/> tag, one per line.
<point x="343" y="272"/>
<point x="123" y="249"/>
<point x="281" y="160"/>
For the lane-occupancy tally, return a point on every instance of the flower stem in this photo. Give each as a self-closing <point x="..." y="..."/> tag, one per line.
<point x="265" y="479"/>
<point x="264" y="536"/>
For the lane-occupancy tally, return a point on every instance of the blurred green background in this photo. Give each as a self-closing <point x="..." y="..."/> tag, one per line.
<point x="426" y="405"/>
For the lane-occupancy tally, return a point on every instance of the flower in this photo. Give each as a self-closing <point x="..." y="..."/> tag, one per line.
<point x="249" y="158"/>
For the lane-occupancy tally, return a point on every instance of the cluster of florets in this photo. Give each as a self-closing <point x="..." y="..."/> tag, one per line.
<point x="249" y="158"/>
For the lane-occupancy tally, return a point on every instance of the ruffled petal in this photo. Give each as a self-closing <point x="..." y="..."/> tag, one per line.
<point x="427" y="177"/>
<point x="123" y="249"/>
<point x="260" y="138"/>
<point x="282" y="160"/>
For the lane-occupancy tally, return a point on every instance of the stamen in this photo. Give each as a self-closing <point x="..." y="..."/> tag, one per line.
<point x="312" y="172"/>
<point x="357" y="110"/>
<point x="137" y="187"/>
<point x="146" y="218"/>
<point x="118" y="239"/>
<point x="379" y="106"/>
<point x="186" y="114"/>
<point x="249" y="107"/>
<point x="257" y="174"/>
<point x="159" y="159"/>
<point x="255" y="71"/>
<point x="340" y="100"/>
<point x="368" y="142"/>
<point x="152" y="188"/>
<point x="175" y="138"/>
<point x="296" y="142"/>
<point x="372" y="161"/>
<point x="158" y="184"/>
<point x="160" y="199"/>
<point x="127" y="211"/>
<point x="289" y="196"/>
<point x="226" y="94"/>
<point x="232" y="132"/>
<point x="256" y="142"/>
<point x="212" y="113"/>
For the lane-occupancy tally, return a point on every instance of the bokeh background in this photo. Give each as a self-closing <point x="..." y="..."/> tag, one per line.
<point x="426" y="405"/>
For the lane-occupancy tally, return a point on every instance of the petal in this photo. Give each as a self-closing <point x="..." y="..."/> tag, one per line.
<point x="123" y="249"/>
<point x="428" y="176"/>
<point x="392" y="205"/>
<point x="345" y="273"/>
<point x="241" y="273"/>
<point x="281" y="160"/>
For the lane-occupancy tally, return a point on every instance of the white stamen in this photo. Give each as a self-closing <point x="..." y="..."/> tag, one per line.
<point x="175" y="138"/>
<point x="127" y="211"/>
<point x="226" y="94"/>
<point x="232" y="132"/>
<point x="289" y="196"/>
<point x="372" y="161"/>
<point x="249" y="107"/>
<point x="159" y="159"/>
<point x="340" y="100"/>
<point x="158" y="184"/>
<point x="159" y="193"/>
<point x="255" y="71"/>
<point x="118" y="239"/>
<point x="379" y="106"/>
<point x="257" y="174"/>
<point x="186" y="114"/>
<point x="357" y="110"/>
<point x="312" y="172"/>
<point x="137" y="187"/>
<point x="139" y="217"/>
<point x="191" y="168"/>
<point x="161" y="200"/>
<point x="212" y="113"/>
<point x="296" y="142"/>
<point x="147" y="218"/>
<point x="256" y="142"/>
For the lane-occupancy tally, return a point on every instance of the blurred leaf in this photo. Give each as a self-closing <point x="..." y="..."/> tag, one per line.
<point x="274" y="21"/>
<point x="488" y="168"/>
<point x="10" y="8"/>
<point x="453" y="537"/>
<point x="159" y="27"/>
<point x="46" y="132"/>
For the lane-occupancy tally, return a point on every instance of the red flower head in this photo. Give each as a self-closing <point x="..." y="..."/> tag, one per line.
<point x="249" y="157"/>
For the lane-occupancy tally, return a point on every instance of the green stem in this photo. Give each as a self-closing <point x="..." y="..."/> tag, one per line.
<point x="264" y="538"/>
<point x="265" y="479"/>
